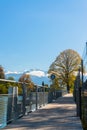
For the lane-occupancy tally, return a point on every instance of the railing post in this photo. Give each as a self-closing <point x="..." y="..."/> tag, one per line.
<point x="82" y="71"/>
<point x="78" y="96"/>
<point x="15" y="97"/>
<point x="80" y="103"/>
<point x="43" y="93"/>
<point x="10" y="101"/>
<point x="80" y="91"/>
<point x="24" y="97"/>
<point x="36" y="97"/>
<point x="13" y="91"/>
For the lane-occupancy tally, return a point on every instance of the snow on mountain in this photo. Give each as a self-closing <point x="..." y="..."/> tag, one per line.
<point x="10" y="72"/>
<point x="37" y="73"/>
<point x="37" y="76"/>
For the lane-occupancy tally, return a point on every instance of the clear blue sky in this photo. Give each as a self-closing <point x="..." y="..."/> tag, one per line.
<point x="34" y="32"/>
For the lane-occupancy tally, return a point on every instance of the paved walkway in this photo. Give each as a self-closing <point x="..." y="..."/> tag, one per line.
<point x="59" y="115"/>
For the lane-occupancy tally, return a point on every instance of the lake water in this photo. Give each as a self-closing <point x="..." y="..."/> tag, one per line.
<point x="3" y="111"/>
<point x="31" y="106"/>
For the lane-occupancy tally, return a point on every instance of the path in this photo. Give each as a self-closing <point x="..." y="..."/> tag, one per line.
<point x="59" y="115"/>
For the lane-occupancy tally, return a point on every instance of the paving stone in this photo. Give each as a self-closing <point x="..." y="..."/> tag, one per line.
<point x="58" y="115"/>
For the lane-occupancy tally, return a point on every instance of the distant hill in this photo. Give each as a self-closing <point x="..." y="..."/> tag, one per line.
<point x="37" y="76"/>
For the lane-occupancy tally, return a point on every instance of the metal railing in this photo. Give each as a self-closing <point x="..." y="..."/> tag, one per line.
<point x="80" y="90"/>
<point x="19" y="100"/>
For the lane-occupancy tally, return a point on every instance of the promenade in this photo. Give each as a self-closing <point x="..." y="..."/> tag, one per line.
<point x="58" y="115"/>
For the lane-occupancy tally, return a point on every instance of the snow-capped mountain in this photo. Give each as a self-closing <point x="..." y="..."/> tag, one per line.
<point x="37" y="76"/>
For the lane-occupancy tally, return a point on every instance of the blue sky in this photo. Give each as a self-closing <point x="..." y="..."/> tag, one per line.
<point x="34" y="32"/>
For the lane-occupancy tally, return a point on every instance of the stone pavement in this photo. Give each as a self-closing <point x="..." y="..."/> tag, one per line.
<point x="59" y="115"/>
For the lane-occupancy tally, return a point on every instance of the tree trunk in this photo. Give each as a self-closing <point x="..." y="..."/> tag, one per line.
<point x="68" y="88"/>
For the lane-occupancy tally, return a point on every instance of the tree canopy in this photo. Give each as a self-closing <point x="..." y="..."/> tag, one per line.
<point x="2" y="74"/>
<point x="65" y="66"/>
<point x="25" y="78"/>
<point x="10" y="78"/>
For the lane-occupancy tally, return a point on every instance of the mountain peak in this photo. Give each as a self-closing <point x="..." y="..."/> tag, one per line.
<point x="38" y="73"/>
<point x="37" y="76"/>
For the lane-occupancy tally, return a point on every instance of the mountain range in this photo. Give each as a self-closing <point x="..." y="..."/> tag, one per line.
<point x="37" y="76"/>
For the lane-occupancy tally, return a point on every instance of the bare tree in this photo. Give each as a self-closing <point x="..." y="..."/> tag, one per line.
<point x="65" y="65"/>
<point x="2" y="74"/>
<point x="25" y="78"/>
